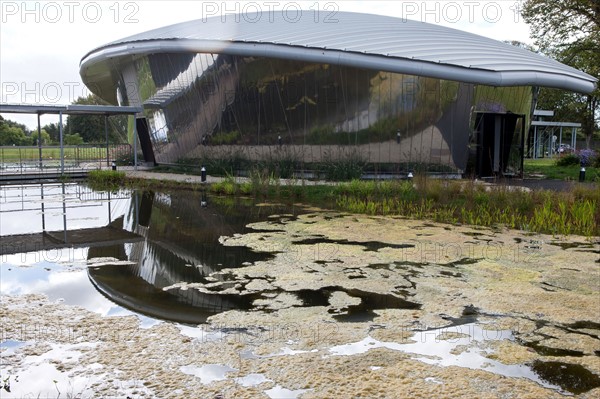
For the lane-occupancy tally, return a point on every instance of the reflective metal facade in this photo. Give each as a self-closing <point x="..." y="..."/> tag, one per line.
<point x="222" y="106"/>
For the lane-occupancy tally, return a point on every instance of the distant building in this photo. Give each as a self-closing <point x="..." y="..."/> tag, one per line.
<point x="391" y="92"/>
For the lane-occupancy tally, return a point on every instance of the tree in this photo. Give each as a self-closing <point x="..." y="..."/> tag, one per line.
<point x="91" y="127"/>
<point x="574" y="39"/>
<point x="11" y="136"/>
<point x="10" y="123"/>
<point x="53" y="131"/>
<point x="73" y="139"/>
<point x="13" y="133"/>
<point x="46" y="140"/>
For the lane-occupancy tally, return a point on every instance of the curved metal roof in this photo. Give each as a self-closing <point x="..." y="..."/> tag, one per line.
<point x="352" y="39"/>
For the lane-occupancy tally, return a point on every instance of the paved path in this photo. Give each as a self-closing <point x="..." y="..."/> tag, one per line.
<point x="547" y="184"/>
<point x="533" y="184"/>
<point x="147" y="174"/>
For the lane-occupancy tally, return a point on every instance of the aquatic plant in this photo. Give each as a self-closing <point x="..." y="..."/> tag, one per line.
<point x="448" y="201"/>
<point x="470" y="203"/>
<point x="106" y="180"/>
<point x="228" y="186"/>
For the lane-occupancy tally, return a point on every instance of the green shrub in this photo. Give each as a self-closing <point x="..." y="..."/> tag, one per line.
<point x="568" y="160"/>
<point x="350" y="167"/>
<point x="222" y="138"/>
<point x="596" y="163"/>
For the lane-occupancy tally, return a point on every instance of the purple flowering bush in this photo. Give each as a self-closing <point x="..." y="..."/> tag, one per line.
<point x="582" y="157"/>
<point x="587" y="157"/>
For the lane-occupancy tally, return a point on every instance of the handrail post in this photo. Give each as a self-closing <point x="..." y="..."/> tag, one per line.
<point x="62" y="149"/>
<point x="39" y="140"/>
<point x="135" y="142"/>
<point x="106" y="136"/>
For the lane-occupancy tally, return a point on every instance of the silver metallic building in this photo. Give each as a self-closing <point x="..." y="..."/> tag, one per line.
<point x="313" y="88"/>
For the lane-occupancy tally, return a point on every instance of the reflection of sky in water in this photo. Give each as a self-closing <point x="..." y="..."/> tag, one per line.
<point x="430" y="348"/>
<point x="9" y="346"/>
<point x="39" y="377"/>
<point x="279" y="392"/>
<point x="69" y="285"/>
<point x="21" y="208"/>
<point x="60" y="274"/>
<point x="252" y="380"/>
<point x="209" y="372"/>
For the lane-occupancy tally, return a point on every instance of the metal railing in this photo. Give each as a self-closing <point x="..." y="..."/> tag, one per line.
<point x="33" y="159"/>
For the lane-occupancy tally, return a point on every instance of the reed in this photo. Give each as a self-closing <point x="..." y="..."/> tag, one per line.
<point x="106" y="180"/>
<point x="454" y="202"/>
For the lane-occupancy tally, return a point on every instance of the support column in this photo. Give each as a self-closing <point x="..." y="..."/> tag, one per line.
<point x="43" y="208"/>
<point x="64" y="209"/>
<point x="135" y="139"/>
<point x="39" y="140"/>
<point x="560" y="138"/>
<point x="62" y="148"/>
<point x="534" y="154"/>
<point x="106" y="136"/>
<point x="497" y="143"/>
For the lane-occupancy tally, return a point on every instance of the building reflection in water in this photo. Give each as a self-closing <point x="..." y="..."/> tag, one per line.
<point x="180" y="245"/>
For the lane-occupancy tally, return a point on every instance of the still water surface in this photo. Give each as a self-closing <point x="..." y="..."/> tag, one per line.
<point x="115" y="253"/>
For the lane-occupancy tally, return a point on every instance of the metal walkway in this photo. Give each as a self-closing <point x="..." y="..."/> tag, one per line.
<point x="53" y="240"/>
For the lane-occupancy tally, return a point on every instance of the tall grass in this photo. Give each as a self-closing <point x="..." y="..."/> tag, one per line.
<point x="229" y="186"/>
<point x="106" y="180"/>
<point x="447" y="201"/>
<point x="466" y="202"/>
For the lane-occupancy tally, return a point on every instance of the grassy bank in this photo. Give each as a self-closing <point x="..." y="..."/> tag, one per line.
<point x="106" y="180"/>
<point x="548" y="168"/>
<point x="574" y="212"/>
<point x="448" y="201"/>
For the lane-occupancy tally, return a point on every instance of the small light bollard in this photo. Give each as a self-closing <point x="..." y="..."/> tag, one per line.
<point x="398" y="136"/>
<point x="203" y="175"/>
<point x="279" y="140"/>
<point x="582" y="175"/>
<point x="114" y="165"/>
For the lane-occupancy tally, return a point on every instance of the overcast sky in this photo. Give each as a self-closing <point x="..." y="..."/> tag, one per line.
<point x="42" y="42"/>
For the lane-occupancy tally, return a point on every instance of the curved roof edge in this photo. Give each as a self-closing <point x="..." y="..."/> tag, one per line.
<point x="523" y="77"/>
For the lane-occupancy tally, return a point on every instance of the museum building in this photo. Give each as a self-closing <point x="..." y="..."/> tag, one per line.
<point x="348" y="86"/>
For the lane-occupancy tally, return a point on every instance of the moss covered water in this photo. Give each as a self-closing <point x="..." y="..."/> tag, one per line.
<point x="302" y="302"/>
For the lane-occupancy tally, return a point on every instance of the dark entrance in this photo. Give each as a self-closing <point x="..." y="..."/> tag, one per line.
<point x="500" y="138"/>
<point x="145" y="142"/>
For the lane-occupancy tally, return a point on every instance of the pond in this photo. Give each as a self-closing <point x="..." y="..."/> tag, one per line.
<point x="171" y="294"/>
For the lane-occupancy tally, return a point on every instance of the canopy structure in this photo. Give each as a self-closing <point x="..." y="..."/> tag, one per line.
<point x="544" y="141"/>
<point x="73" y="109"/>
<point x="349" y="39"/>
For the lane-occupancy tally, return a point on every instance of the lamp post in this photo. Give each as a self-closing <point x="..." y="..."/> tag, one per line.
<point x="582" y="174"/>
